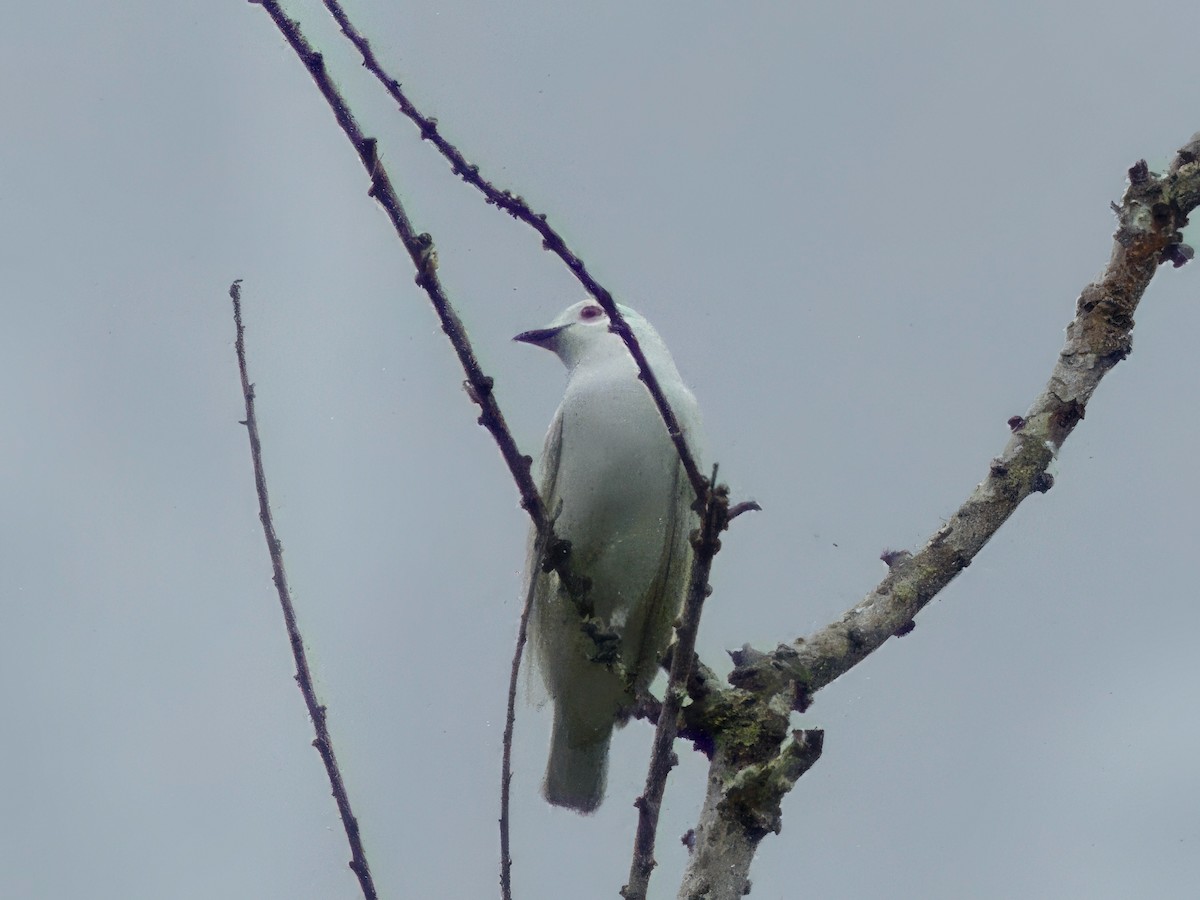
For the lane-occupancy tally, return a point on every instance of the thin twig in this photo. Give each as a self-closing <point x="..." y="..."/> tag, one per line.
<point x="421" y="250"/>
<point x="424" y="257"/>
<point x="510" y="721"/>
<point x="516" y="207"/>
<point x="662" y="754"/>
<point x="316" y="711"/>
<point x="479" y="386"/>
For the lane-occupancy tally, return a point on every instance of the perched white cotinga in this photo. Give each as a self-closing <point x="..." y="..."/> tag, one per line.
<point x="613" y="477"/>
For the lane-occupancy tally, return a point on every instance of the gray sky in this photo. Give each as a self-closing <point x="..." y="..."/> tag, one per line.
<point x="861" y="231"/>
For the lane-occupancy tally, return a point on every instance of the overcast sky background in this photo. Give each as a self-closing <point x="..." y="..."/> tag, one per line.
<point x="860" y="227"/>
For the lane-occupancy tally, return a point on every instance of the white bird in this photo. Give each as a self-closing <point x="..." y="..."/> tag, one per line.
<point x="611" y="473"/>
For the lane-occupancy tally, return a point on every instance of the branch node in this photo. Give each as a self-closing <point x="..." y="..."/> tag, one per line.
<point x="1042" y="482"/>
<point x="1177" y="254"/>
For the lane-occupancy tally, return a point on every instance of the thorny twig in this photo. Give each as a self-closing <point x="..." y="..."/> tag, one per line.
<point x="662" y="756"/>
<point x="516" y="207"/>
<point x="316" y="710"/>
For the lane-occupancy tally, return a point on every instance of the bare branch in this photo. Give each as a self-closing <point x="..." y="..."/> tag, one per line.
<point x="516" y="207"/>
<point x="1150" y="217"/>
<point x="650" y="802"/>
<point x="421" y="250"/>
<point x="510" y="718"/>
<point x="742" y="728"/>
<point x="316" y="711"/>
<point x="741" y="807"/>
<point x="424" y="257"/>
<point x="662" y="755"/>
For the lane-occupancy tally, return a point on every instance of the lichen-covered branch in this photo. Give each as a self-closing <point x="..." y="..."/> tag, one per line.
<point x="707" y="543"/>
<point x="1150" y="217"/>
<point x="741" y="807"/>
<point x="743" y="728"/>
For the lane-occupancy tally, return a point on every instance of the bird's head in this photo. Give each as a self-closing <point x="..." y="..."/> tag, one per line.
<point x="581" y="335"/>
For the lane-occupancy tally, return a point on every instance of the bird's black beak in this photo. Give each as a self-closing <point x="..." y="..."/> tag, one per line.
<point x="542" y="337"/>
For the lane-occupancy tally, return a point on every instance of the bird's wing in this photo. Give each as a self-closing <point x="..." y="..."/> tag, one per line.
<point x="543" y="582"/>
<point x="663" y="598"/>
<point x="548" y="487"/>
<point x="666" y="594"/>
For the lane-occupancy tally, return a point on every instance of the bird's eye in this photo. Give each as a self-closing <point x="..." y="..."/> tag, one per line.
<point x="588" y="313"/>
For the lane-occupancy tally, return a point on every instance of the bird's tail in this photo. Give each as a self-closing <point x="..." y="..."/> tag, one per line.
<point x="578" y="767"/>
